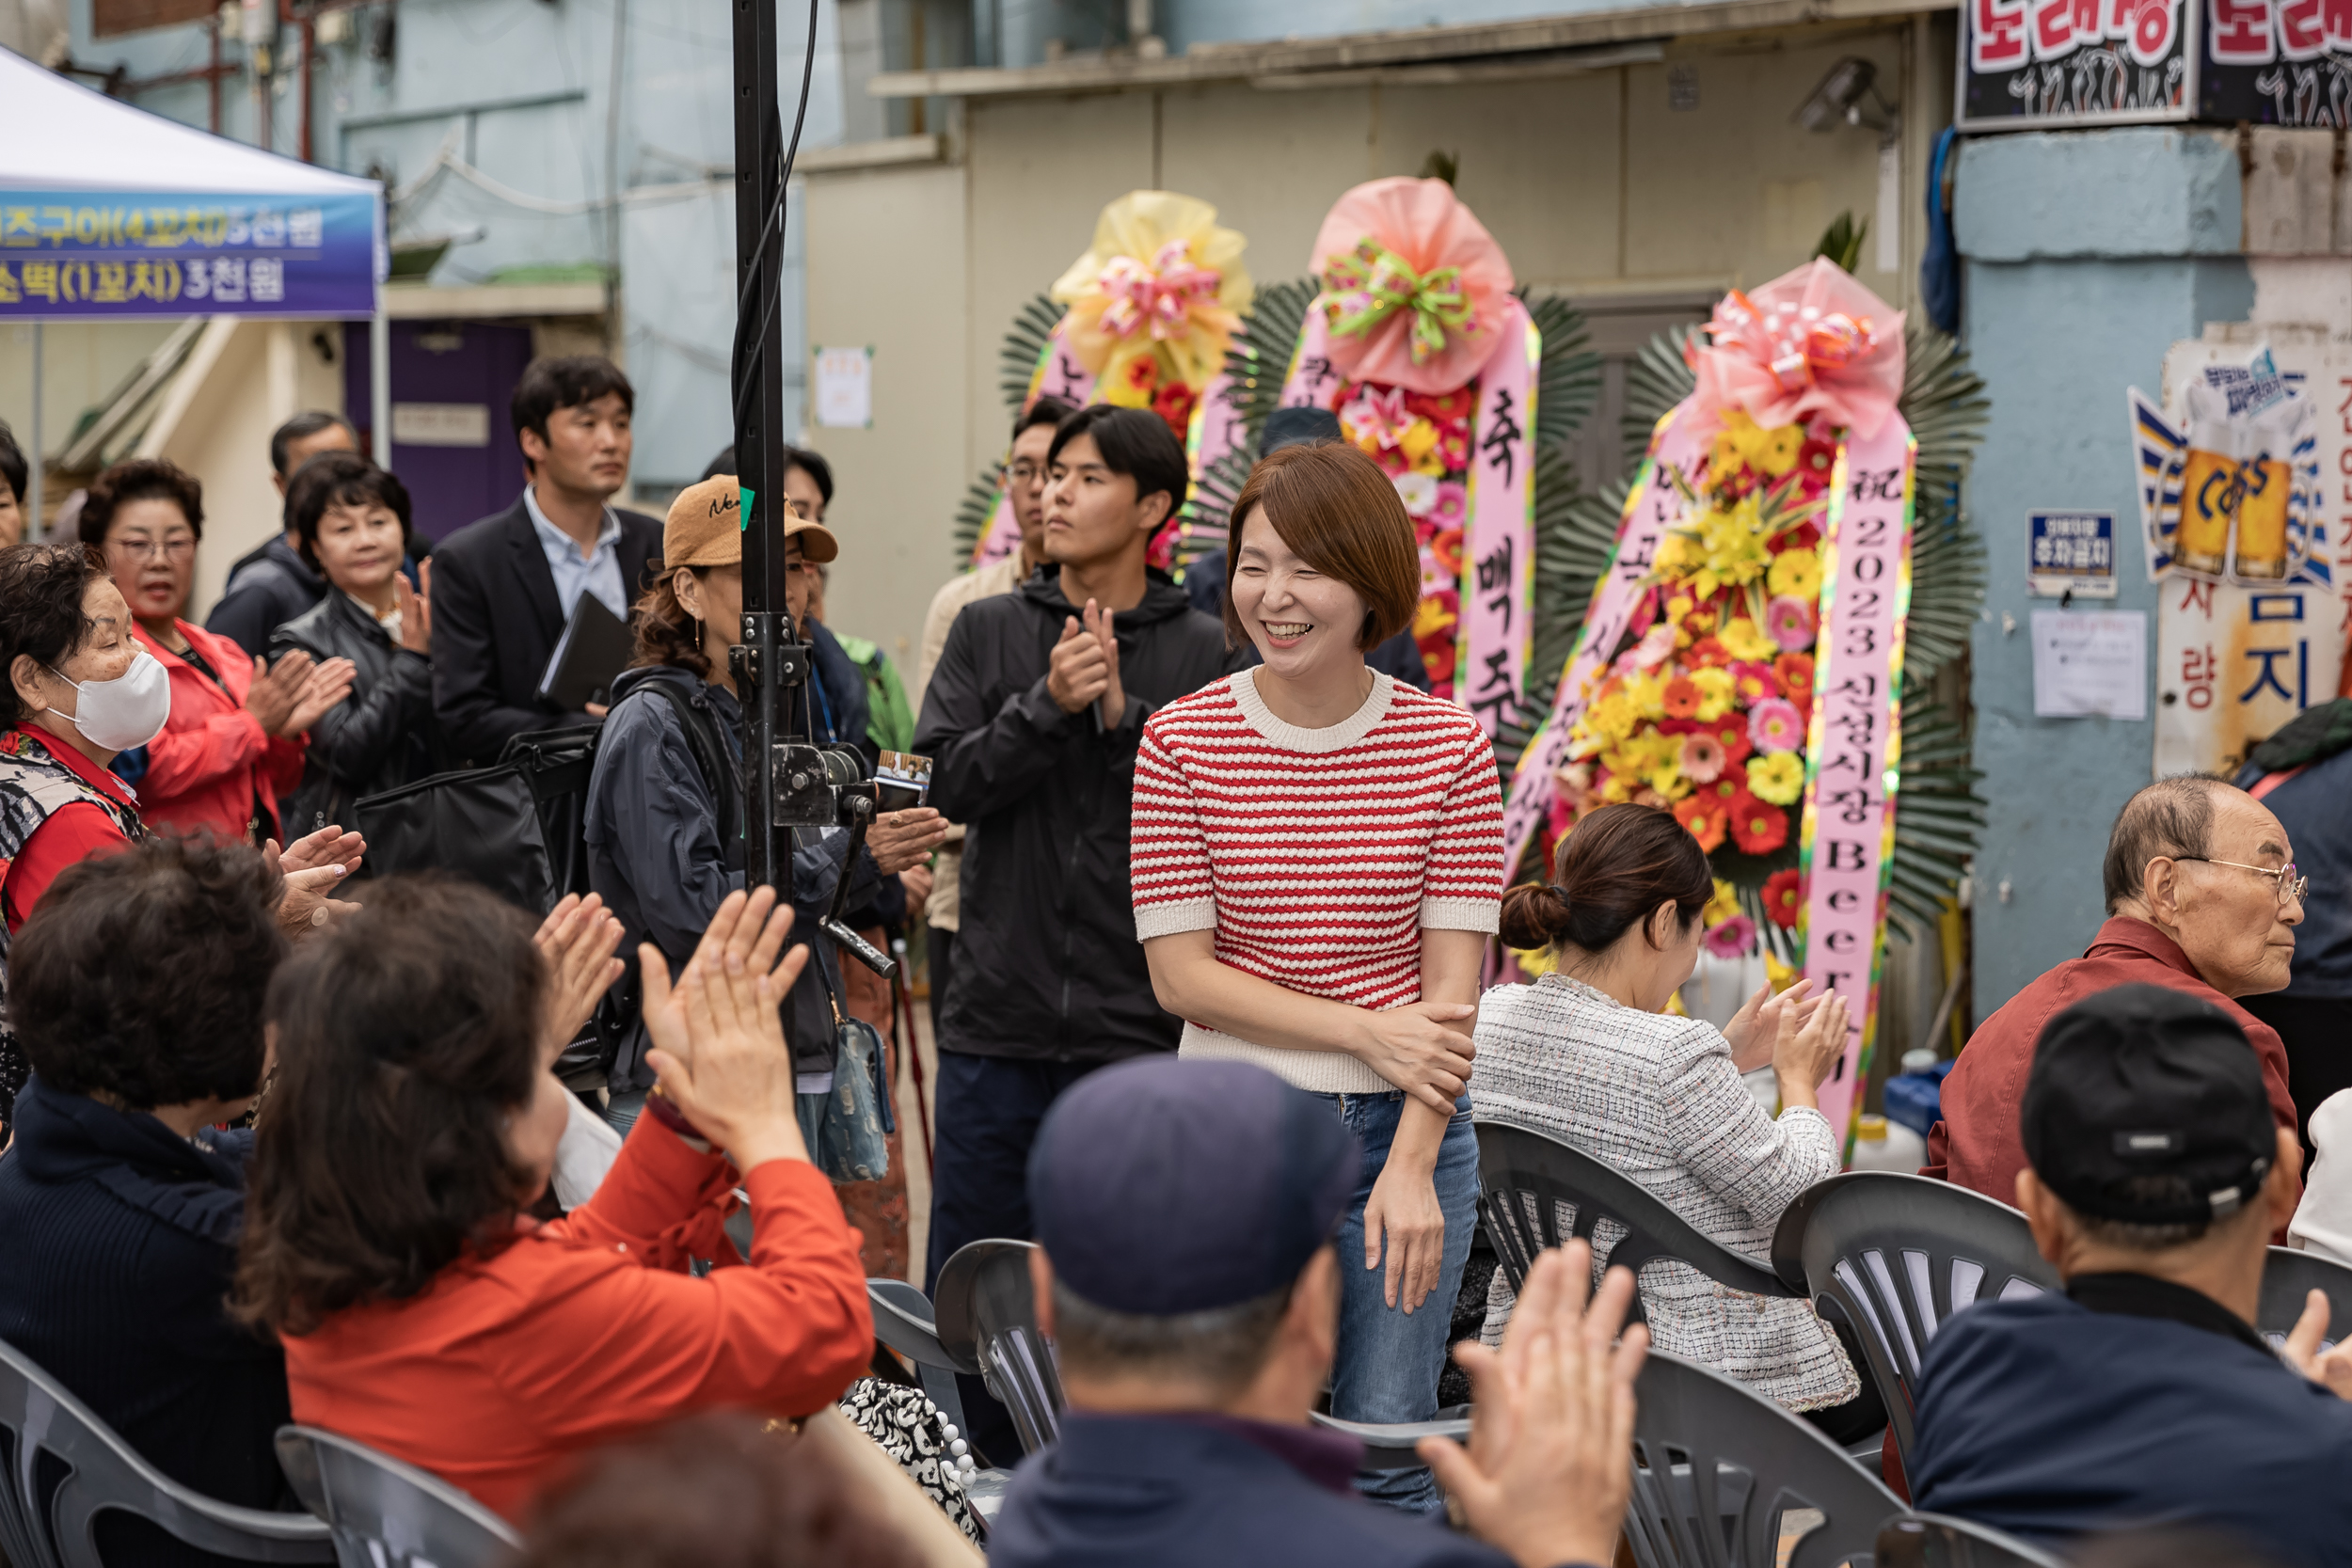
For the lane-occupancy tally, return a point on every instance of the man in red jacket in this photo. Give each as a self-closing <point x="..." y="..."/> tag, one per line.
<point x="2203" y="897"/>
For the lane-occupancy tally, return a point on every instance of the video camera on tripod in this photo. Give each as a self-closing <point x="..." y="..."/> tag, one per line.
<point x="826" y="787"/>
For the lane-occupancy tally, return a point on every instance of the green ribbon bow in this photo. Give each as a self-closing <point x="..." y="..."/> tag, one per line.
<point x="1371" y="283"/>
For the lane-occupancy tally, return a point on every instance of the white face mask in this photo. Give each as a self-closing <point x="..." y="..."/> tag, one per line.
<point x="125" y="712"/>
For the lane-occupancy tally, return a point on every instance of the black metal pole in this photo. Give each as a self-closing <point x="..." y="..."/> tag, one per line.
<point x="758" y="402"/>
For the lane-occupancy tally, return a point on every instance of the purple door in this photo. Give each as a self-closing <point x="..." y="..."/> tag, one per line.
<point x="452" y="445"/>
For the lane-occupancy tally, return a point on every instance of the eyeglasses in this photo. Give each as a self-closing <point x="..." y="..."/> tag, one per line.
<point x="178" y="547"/>
<point x="2291" y="887"/>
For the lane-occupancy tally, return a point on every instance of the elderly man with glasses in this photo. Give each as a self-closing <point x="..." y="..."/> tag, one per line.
<point x="2203" y="897"/>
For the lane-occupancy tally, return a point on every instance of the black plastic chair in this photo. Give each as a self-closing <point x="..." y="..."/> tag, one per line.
<point x="1937" y="1541"/>
<point x="66" y="1467"/>
<point x="987" y="1324"/>
<point x="1524" y="1176"/>
<point x="2288" y="1276"/>
<point x="1724" y="1478"/>
<point x="388" y="1514"/>
<point x="1925" y="1248"/>
<point x="903" y="1321"/>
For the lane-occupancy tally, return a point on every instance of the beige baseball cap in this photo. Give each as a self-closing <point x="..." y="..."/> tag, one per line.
<point x="705" y="528"/>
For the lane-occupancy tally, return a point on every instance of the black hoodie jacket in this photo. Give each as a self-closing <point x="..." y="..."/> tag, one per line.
<point x="1047" y="964"/>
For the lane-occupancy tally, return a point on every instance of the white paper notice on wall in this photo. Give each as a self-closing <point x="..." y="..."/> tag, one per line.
<point x="1890" y="221"/>
<point x="845" y="389"/>
<point x="2090" y="666"/>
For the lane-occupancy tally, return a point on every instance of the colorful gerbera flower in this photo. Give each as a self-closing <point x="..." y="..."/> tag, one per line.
<point x="1783" y="897"/>
<point x="1775" y="725"/>
<point x="1732" y="939"/>
<point x="1705" y="817"/>
<point x="1758" y="828"/>
<point x="1778" y="778"/>
<point x="1702" y="758"/>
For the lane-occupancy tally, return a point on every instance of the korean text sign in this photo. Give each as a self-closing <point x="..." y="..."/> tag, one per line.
<point x="68" y="254"/>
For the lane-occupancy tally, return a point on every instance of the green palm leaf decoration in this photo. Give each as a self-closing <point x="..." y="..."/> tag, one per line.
<point x="1259" y="355"/>
<point x="1568" y="382"/>
<point x="1939" y="817"/>
<point x="1032" y="327"/>
<point x="974" y="511"/>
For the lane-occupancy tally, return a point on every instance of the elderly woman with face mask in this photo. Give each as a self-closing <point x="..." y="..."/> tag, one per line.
<point x="235" y="738"/>
<point x="81" y="690"/>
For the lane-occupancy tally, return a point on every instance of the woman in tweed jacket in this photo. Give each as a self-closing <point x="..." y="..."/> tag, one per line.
<point x="1586" y="1056"/>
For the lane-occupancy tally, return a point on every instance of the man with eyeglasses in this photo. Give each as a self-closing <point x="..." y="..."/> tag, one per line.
<point x="1025" y="489"/>
<point x="2203" y="897"/>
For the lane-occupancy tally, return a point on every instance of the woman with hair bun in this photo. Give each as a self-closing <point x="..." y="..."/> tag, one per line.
<point x="1588" y="1055"/>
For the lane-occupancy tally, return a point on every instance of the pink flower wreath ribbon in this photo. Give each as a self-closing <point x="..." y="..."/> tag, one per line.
<point x="1414" y="287"/>
<point x="1812" y="342"/>
<point x="1160" y="295"/>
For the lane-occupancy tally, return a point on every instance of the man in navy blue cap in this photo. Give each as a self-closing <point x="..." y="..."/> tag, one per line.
<point x="2143" y="1395"/>
<point x="1184" y="1213"/>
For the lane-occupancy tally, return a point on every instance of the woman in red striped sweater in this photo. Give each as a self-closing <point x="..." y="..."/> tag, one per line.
<point x="1317" y="866"/>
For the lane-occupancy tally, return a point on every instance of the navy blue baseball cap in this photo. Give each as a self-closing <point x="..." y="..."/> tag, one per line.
<point x="1162" y="1186"/>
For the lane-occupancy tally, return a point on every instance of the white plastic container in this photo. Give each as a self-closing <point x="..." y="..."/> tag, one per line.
<point x="1882" y="1144"/>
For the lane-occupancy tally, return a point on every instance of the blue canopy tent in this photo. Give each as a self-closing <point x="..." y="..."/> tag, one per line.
<point x="110" y="213"/>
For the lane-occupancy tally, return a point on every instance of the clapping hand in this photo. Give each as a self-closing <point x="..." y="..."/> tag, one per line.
<point x="313" y="866"/>
<point x="578" y="940"/>
<point x="1756" y="1027"/>
<point x="2332" y="1367"/>
<point x="416" y="608"/>
<point x="1550" y="1457"/>
<point x="718" y="1036"/>
<point x="1085" y="666"/>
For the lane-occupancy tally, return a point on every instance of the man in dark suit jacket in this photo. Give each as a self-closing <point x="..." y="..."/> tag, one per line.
<point x="1184" y="1211"/>
<point x="504" y="588"/>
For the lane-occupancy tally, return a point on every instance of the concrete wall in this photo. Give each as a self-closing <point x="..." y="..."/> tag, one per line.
<point x="2087" y="256"/>
<point x="1594" y="184"/>
<point x="242" y="381"/>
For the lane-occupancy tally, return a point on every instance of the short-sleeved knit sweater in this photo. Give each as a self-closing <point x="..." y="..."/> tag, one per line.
<point x="1317" y="856"/>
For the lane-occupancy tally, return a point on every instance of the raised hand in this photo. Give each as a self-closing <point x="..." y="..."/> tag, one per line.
<point x="1808" y="1049"/>
<point x="321" y="690"/>
<point x="578" y="938"/>
<point x="329" y="846"/>
<point x="416" y="608"/>
<point x="1078" y="674"/>
<point x="271" y="697"/>
<point x="1112" y="704"/>
<point x="1422" y="1048"/>
<point x="2331" y="1369"/>
<point x="1550" y="1457"/>
<point x="719" y="1049"/>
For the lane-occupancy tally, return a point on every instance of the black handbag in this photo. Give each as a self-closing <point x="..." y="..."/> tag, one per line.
<point x="515" y="827"/>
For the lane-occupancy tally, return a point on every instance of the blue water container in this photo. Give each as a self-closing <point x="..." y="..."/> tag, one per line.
<point x="1917" y="1098"/>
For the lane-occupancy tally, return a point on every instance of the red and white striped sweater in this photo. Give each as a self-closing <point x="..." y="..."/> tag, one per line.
<point x="1317" y="856"/>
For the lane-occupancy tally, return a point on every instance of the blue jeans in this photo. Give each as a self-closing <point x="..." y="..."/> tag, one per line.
<point x="1387" y="1360"/>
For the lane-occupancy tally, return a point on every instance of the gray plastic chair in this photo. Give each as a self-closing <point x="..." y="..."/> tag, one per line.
<point x="1938" y="1540"/>
<point x="903" y="1321"/>
<point x="986" y="1320"/>
<point x="1925" y="1248"/>
<point x="1391" y="1445"/>
<point x="388" y="1514"/>
<point x="1525" y="1175"/>
<point x="2288" y="1276"/>
<point x="1724" y="1477"/>
<point x="49" y="1512"/>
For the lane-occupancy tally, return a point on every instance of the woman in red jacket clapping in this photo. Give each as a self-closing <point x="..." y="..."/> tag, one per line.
<point x="237" y="736"/>
<point x="413" y="1121"/>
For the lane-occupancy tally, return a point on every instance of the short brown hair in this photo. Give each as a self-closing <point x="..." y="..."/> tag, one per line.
<point x="726" y="1490"/>
<point x="405" y="1035"/>
<point x="141" y="479"/>
<point x="1334" y="507"/>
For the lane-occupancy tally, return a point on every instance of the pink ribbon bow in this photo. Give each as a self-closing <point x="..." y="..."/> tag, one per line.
<point x="1813" y="342"/>
<point x="1160" y="294"/>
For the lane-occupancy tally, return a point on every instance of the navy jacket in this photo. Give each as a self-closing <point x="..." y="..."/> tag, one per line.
<point x="1151" y="1492"/>
<point x="2310" y="805"/>
<point x="2048" y="1420"/>
<point x="663" y="861"/>
<point x="266" y="588"/>
<point x="120" y="1237"/>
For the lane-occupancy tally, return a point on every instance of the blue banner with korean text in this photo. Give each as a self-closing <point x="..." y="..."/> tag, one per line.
<point x="76" y="255"/>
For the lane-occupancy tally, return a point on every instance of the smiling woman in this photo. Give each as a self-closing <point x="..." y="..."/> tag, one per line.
<point x="1317" y="864"/>
<point x="234" y="741"/>
<point x="352" y="518"/>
